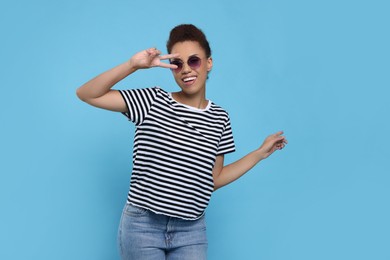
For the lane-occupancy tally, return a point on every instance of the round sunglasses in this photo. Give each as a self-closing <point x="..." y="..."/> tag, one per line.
<point x="193" y="61"/>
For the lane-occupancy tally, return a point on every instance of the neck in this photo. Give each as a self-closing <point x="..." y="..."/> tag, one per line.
<point x="197" y="101"/>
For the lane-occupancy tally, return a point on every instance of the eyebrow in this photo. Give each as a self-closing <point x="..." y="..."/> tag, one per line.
<point x="193" y="55"/>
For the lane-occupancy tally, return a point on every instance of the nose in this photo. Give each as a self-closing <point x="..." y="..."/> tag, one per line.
<point x="186" y="68"/>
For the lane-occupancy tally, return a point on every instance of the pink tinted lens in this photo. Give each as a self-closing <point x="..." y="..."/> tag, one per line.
<point x="179" y="65"/>
<point x="194" y="62"/>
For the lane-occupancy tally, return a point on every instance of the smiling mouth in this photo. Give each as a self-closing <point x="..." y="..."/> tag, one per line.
<point x="189" y="79"/>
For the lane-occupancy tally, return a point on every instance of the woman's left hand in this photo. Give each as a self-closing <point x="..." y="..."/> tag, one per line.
<point x="272" y="143"/>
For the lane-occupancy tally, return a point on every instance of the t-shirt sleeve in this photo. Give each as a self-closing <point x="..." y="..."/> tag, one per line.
<point x="138" y="102"/>
<point x="226" y="145"/>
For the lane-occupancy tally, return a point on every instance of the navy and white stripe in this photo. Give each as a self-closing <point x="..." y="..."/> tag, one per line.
<point x="175" y="147"/>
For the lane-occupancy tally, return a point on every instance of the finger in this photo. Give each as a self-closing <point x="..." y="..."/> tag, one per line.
<point x="153" y="52"/>
<point x="167" y="65"/>
<point x="149" y="51"/>
<point x="279" y="133"/>
<point x="169" y="56"/>
<point x="280" y="139"/>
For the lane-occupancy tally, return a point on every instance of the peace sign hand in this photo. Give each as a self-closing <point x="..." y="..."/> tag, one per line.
<point x="151" y="58"/>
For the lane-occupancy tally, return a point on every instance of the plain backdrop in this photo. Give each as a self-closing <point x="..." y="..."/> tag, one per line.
<point x="319" y="70"/>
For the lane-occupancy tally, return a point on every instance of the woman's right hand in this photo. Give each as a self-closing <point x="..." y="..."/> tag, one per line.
<point x="151" y="58"/>
<point x="97" y="92"/>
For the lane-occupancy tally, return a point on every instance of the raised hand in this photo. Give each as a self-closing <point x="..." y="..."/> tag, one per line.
<point x="151" y="58"/>
<point x="272" y="143"/>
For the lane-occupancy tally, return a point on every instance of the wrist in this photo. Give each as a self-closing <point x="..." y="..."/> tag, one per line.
<point x="130" y="66"/>
<point x="261" y="154"/>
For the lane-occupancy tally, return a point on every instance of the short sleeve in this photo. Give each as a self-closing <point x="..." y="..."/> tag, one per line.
<point x="226" y="145"/>
<point x="138" y="102"/>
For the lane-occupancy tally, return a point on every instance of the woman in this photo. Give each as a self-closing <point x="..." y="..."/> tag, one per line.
<point x="179" y="148"/>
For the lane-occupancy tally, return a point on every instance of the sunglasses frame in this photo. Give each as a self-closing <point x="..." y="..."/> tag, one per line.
<point x="179" y="63"/>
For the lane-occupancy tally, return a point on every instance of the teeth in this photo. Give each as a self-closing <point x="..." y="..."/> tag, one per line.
<point x="188" y="79"/>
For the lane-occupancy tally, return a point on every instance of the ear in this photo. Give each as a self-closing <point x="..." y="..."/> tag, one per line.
<point x="209" y="63"/>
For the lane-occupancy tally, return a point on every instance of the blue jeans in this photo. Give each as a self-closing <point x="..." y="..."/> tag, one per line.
<point x="144" y="235"/>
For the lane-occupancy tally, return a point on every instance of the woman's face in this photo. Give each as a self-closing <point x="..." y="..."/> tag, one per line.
<point x="191" y="80"/>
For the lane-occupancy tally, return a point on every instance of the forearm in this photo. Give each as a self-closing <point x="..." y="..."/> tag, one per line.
<point x="102" y="84"/>
<point x="224" y="175"/>
<point x="233" y="171"/>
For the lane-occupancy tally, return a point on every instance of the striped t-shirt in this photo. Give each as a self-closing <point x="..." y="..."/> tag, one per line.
<point x="175" y="147"/>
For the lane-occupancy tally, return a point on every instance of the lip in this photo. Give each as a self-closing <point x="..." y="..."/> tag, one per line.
<point x="189" y="82"/>
<point x="188" y="77"/>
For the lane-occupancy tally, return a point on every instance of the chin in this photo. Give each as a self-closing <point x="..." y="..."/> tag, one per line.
<point x="191" y="90"/>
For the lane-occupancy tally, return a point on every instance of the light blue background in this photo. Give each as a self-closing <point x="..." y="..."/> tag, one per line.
<point x="319" y="70"/>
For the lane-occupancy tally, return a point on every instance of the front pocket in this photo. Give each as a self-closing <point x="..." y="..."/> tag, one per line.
<point x="135" y="210"/>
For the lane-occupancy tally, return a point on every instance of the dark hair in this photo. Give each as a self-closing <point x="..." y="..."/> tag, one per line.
<point x="188" y="32"/>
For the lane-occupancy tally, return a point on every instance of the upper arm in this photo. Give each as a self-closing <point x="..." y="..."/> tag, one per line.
<point x="218" y="165"/>
<point x="226" y="143"/>
<point x="112" y="100"/>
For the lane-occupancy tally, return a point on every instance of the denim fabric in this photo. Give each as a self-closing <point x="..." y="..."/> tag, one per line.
<point x="144" y="235"/>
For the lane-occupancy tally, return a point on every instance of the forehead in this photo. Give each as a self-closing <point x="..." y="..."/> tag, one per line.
<point x="188" y="48"/>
